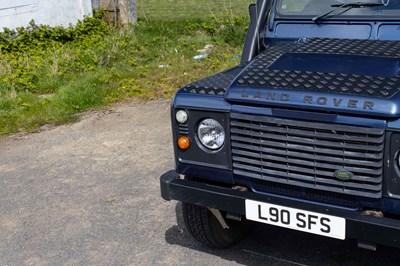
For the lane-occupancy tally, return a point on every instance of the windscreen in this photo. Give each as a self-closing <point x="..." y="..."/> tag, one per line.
<point x="389" y="8"/>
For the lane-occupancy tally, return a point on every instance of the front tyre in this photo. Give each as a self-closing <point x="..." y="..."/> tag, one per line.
<point x="205" y="227"/>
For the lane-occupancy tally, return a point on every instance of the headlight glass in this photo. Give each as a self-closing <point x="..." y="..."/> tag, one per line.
<point x="211" y="134"/>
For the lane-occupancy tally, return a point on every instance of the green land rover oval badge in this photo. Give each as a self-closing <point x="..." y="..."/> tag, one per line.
<point x="343" y="175"/>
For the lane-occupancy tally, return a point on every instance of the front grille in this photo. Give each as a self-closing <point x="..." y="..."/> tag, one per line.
<point x="305" y="193"/>
<point x="307" y="154"/>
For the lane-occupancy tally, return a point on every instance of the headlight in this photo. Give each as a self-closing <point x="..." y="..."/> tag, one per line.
<point x="211" y="134"/>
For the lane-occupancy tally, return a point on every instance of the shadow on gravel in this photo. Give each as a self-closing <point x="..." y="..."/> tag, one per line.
<point x="276" y="246"/>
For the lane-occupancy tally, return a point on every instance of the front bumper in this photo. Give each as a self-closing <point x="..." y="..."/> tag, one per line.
<point x="384" y="231"/>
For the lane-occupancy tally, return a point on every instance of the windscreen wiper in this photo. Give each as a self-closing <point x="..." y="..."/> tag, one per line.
<point x="346" y="8"/>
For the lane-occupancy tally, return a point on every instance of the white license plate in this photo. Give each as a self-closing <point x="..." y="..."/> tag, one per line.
<point x="310" y="222"/>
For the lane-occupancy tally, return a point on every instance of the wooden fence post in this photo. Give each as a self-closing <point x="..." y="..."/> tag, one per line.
<point x="127" y="11"/>
<point x="122" y="10"/>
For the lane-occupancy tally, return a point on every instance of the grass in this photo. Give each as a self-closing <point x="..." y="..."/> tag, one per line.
<point x="173" y="9"/>
<point x="48" y="76"/>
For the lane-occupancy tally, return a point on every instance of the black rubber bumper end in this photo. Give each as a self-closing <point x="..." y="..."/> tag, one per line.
<point x="165" y="181"/>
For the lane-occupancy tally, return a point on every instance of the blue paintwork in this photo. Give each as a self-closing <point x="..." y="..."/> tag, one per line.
<point x="391" y="205"/>
<point x="201" y="102"/>
<point x="386" y="112"/>
<point x="337" y="119"/>
<point x="393" y="124"/>
<point x="295" y="99"/>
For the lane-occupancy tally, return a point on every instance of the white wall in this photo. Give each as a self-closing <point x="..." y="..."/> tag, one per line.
<point x="16" y="13"/>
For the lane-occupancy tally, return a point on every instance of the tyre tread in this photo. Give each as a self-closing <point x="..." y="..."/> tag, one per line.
<point x="205" y="228"/>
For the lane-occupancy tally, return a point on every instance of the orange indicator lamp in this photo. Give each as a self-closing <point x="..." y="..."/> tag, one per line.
<point x="184" y="143"/>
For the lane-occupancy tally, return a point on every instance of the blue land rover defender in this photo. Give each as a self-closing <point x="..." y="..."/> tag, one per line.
<point x="303" y="134"/>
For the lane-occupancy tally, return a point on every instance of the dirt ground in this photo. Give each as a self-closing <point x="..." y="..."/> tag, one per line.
<point x="88" y="194"/>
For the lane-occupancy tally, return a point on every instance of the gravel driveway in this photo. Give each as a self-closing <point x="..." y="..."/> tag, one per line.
<point x="88" y="194"/>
